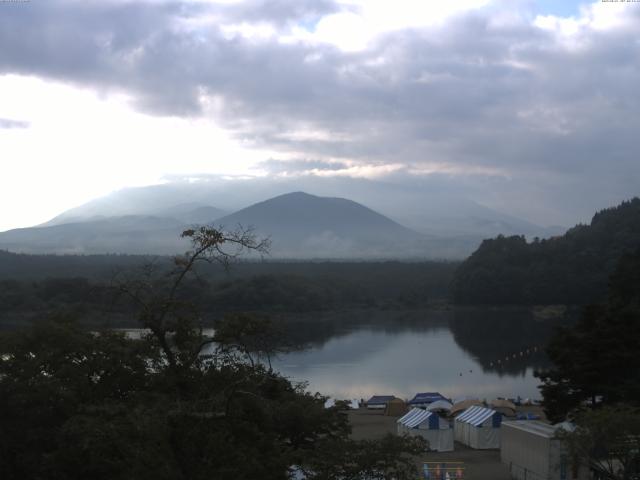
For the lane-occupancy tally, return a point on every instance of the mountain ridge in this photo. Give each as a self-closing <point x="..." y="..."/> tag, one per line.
<point x="423" y="208"/>
<point x="301" y="226"/>
<point x="300" y="223"/>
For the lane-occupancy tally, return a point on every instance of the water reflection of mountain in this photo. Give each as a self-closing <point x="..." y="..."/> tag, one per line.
<point x="364" y="352"/>
<point x="502" y="341"/>
<point x="506" y="341"/>
<point x="305" y="331"/>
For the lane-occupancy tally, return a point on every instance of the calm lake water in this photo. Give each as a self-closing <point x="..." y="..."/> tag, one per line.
<point x="480" y="352"/>
<point x="485" y="353"/>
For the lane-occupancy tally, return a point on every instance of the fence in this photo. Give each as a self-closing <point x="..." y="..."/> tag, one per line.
<point x="443" y="470"/>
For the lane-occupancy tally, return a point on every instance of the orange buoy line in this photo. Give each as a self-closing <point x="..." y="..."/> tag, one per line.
<point x="520" y="354"/>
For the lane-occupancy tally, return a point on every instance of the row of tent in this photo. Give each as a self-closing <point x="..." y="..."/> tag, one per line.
<point x="437" y="403"/>
<point x="530" y="449"/>
<point x="478" y="427"/>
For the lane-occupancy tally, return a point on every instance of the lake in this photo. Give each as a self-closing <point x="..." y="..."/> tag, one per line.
<point x="486" y="353"/>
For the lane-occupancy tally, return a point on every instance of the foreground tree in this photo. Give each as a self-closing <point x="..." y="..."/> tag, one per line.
<point x="172" y="404"/>
<point x="596" y="361"/>
<point x="595" y="381"/>
<point x="607" y="440"/>
<point x="391" y="457"/>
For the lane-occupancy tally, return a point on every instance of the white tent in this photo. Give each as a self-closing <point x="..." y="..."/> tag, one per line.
<point x="478" y="427"/>
<point x="440" y="405"/>
<point x="428" y="425"/>
<point x="351" y="404"/>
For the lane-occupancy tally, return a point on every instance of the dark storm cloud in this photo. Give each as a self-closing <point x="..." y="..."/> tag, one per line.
<point x="509" y="101"/>
<point x="7" y="123"/>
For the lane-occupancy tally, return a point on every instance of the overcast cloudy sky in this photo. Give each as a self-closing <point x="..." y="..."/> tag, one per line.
<point x="531" y="107"/>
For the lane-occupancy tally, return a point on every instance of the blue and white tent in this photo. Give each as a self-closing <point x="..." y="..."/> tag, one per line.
<point x="428" y="425"/>
<point x="379" y="401"/>
<point x="425" y="398"/>
<point x="478" y="427"/>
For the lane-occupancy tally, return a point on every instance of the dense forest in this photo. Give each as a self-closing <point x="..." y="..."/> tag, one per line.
<point x="77" y="404"/>
<point x="596" y="361"/>
<point x="32" y="286"/>
<point x="570" y="269"/>
<point x="594" y="380"/>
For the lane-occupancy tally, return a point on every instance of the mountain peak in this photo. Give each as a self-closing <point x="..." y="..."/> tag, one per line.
<point x="302" y="224"/>
<point x="299" y="193"/>
<point x="303" y="196"/>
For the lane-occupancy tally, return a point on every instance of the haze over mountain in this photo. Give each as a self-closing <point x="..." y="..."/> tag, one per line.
<point x="303" y="225"/>
<point x="469" y="98"/>
<point x="427" y="207"/>
<point x="300" y="225"/>
<point x="134" y="234"/>
<point x="136" y="202"/>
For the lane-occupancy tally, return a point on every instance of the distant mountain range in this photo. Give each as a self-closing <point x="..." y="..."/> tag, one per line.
<point x="299" y="225"/>
<point x="425" y="208"/>
<point x="186" y="213"/>
<point x="134" y="234"/>
<point x="149" y="220"/>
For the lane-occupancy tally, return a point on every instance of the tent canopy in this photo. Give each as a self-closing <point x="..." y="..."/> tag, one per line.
<point x="504" y="406"/>
<point x="428" y="425"/>
<point x="426" y="398"/>
<point x="440" y="405"/>
<point x="477" y="415"/>
<point x="380" y="399"/>
<point x="534" y="427"/>
<point x="414" y="418"/>
<point x="463" y="398"/>
<point x="417" y="417"/>
<point x="463" y="405"/>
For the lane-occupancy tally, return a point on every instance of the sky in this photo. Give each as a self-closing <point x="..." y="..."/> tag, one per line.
<point x="529" y="107"/>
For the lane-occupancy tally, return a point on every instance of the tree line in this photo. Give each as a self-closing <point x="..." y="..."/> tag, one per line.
<point x="280" y="288"/>
<point x="176" y="403"/>
<point x="595" y="378"/>
<point x="570" y="269"/>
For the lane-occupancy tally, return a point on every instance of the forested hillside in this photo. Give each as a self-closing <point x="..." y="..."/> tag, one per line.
<point x="36" y="286"/>
<point x="571" y="269"/>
